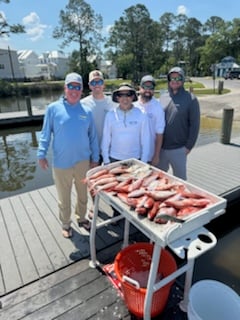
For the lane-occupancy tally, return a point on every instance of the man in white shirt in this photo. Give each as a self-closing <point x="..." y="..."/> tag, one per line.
<point x="126" y="129"/>
<point x="150" y="105"/>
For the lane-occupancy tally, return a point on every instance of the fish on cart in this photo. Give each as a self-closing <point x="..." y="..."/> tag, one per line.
<point x="148" y="191"/>
<point x="165" y="214"/>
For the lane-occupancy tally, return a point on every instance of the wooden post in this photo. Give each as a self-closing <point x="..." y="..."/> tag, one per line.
<point x="226" y="125"/>
<point x="29" y="105"/>
<point x="220" y="87"/>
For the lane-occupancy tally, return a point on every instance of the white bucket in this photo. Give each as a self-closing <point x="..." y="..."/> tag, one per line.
<point x="213" y="300"/>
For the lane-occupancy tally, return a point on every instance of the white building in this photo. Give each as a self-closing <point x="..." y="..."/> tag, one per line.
<point x="53" y="65"/>
<point x="9" y="65"/>
<point x="28" y="61"/>
<point x="227" y="64"/>
<point x="108" y="68"/>
<point x="49" y="65"/>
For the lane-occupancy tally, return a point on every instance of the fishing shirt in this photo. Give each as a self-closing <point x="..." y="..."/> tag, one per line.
<point x="126" y="135"/>
<point x="155" y="113"/>
<point x="72" y="131"/>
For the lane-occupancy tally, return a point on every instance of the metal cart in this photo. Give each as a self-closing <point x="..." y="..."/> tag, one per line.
<point x="187" y="240"/>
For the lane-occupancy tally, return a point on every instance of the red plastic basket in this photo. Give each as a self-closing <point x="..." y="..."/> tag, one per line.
<point x="132" y="266"/>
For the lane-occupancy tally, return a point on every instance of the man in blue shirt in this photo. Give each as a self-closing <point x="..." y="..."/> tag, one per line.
<point x="70" y="127"/>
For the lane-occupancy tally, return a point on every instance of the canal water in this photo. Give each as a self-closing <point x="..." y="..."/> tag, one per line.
<point x="14" y="104"/>
<point x="18" y="164"/>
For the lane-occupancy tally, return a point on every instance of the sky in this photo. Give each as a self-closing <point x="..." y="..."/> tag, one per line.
<point x="41" y="17"/>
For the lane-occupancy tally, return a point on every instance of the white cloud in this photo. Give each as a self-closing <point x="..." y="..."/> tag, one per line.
<point x="108" y="28"/>
<point x="34" y="28"/>
<point x="182" y="10"/>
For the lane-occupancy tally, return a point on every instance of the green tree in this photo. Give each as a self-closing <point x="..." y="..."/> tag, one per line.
<point x="194" y="39"/>
<point x="213" y="24"/>
<point x="135" y="36"/>
<point x="179" y="38"/>
<point x="5" y="28"/>
<point x="234" y="39"/>
<point x="78" y="23"/>
<point x="166" y="29"/>
<point x="223" y="42"/>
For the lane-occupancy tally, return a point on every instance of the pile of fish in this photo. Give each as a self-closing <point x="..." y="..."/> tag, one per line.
<point x="147" y="191"/>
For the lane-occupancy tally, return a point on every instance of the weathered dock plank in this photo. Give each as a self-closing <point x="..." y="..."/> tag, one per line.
<point x="31" y="242"/>
<point x="10" y="276"/>
<point x="77" y="293"/>
<point x="214" y="167"/>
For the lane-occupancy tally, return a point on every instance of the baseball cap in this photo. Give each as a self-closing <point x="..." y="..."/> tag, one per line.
<point x="73" y="77"/>
<point x="176" y="70"/>
<point x="147" y="78"/>
<point x="95" y="74"/>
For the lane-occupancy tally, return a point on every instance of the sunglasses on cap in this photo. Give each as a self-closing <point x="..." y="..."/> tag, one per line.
<point x="73" y="87"/>
<point x="96" y="82"/>
<point x="176" y="78"/>
<point x="128" y="94"/>
<point x="148" y="87"/>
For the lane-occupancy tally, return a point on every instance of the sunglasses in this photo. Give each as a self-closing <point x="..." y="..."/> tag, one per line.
<point x="96" y="83"/>
<point x="176" y="79"/>
<point x="147" y="87"/>
<point x="72" y="87"/>
<point x="129" y="94"/>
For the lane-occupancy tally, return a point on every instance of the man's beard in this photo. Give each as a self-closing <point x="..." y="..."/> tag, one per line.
<point x="147" y="97"/>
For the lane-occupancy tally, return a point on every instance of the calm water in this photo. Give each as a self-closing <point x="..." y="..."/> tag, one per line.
<point x="19" y="171"/>
<point x="18" y="164"/>
<point x="19" y="104"/>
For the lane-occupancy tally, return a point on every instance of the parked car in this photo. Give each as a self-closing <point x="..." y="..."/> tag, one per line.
<point x="163" y="76"/>
<point x="232" y="75"/>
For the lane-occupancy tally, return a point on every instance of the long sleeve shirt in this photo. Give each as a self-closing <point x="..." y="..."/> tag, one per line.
<point x="182" y="113"/>
<point x="72" y="132"/>
<point x="156" y="118"/>
<point x="99" y="108"/>
<point x="126" y="135"/>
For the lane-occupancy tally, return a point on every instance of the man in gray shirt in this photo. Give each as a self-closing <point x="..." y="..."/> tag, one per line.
<point x="182" y="115"/>
<point x="100" y="104"/>
<point x="97" y="101"/>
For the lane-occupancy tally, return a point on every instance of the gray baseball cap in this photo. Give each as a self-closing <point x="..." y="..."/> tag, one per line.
<point x="147" y="78"/>
<point x="73" y="77"/>
<point x="177" y="70"/>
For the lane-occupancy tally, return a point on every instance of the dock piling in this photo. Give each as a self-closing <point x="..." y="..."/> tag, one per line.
<point x="227" y="125"/>
<point x="29" y="105"/>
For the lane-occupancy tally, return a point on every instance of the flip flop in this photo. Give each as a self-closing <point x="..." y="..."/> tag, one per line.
<point x="90" y="214"/>
<point x="85" y="224"/>
<point x="67" y="233"/>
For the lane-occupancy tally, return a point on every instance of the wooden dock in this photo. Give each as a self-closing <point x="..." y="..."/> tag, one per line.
<point x="21" y="118"/>
<point x="44" y="276"/>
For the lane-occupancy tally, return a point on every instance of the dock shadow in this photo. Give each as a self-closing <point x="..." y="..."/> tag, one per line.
<point x="234" y="145"/>
<point x="81" y="244"/>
